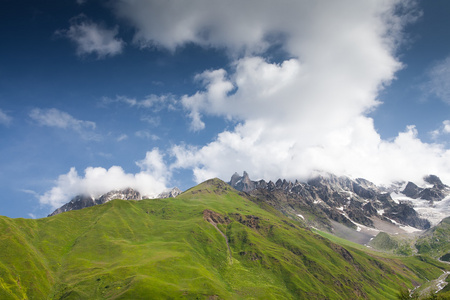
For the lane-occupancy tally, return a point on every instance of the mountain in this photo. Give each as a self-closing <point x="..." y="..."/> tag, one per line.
<point x="338" y="203"/>
<point x="210" y="242"/>
<point x="172" y="193"/>
<point x="82" y="201"/>
<point x="436" y="192"/>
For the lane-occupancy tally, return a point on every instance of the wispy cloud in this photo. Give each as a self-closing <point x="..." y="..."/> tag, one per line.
<point x="92" y="38"/>
<point x="149" y="106"/>
<point x="146" y="135"/>
<point x="55" y="118"/>
<point x="59" y="119"/>
<point x="438" y="83"/>
<point x="443" y="129"/>
<point x="5" y="119"/>
<point x="31" y="192"/>
<point x="153" y="102"/>
<point x="154" y="121"/>
<point x="122" y="137"/>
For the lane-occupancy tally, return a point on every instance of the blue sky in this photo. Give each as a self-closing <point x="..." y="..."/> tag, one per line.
<point x="96" y="95"/>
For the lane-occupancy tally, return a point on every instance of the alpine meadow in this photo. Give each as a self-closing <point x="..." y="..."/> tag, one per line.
<point x="211" y="242"/>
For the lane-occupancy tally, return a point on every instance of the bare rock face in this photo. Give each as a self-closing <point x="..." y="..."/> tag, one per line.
<point x="405" y="214"/>
<point x="412" y="190"/>
<point x="243" y="183"/>
<point x="435" y="193"/>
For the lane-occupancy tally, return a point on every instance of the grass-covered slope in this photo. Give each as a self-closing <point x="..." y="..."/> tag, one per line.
<point x="177" y="248"/>
<point x="384" y="241"/>
<point x="401" y="245"/>
<point x="436" y="241"/>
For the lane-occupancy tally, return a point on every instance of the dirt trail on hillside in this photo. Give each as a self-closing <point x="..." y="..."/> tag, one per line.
<point x="226" y="240"/>
<point x="214" y="218"/>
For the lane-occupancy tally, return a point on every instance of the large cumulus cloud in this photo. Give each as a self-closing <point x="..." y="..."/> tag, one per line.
<point x="305" y="113"/>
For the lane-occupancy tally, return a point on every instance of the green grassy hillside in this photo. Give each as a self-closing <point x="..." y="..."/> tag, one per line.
<point x="436" y="241"/>
<point x="401" y="245"/>
<point x="384" y="241"/>
<point x="177" y="248"/>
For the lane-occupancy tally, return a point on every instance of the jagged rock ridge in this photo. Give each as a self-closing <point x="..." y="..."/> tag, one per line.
<point x="82" y="201"/>
<point x="343" y="200"/>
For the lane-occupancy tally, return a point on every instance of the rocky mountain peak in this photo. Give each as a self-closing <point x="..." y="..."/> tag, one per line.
<point x="411" y="190"/>
<point x="434" y="180"/>
<point x="242" y="183"/>
<point x="435" y="193"/>
<point x="234" y="179"/>
<point x="125" y="194"/>
<point x="172" y="193"/>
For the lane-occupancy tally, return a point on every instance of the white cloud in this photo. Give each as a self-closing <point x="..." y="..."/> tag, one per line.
<point x="154" y="164"/>
<point x="438" y="83"/>
<point x="92" y="38"/>
<point x="356" y="150"/>
<point x="443" y="129"/>
<point x="5" y="119"/>
<point x="446" y="126"/>
<point x="217" y="88"/>
<point x="56" y="118"/>
<point x="251" y="26"/>
<point x="150" y="181"/>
